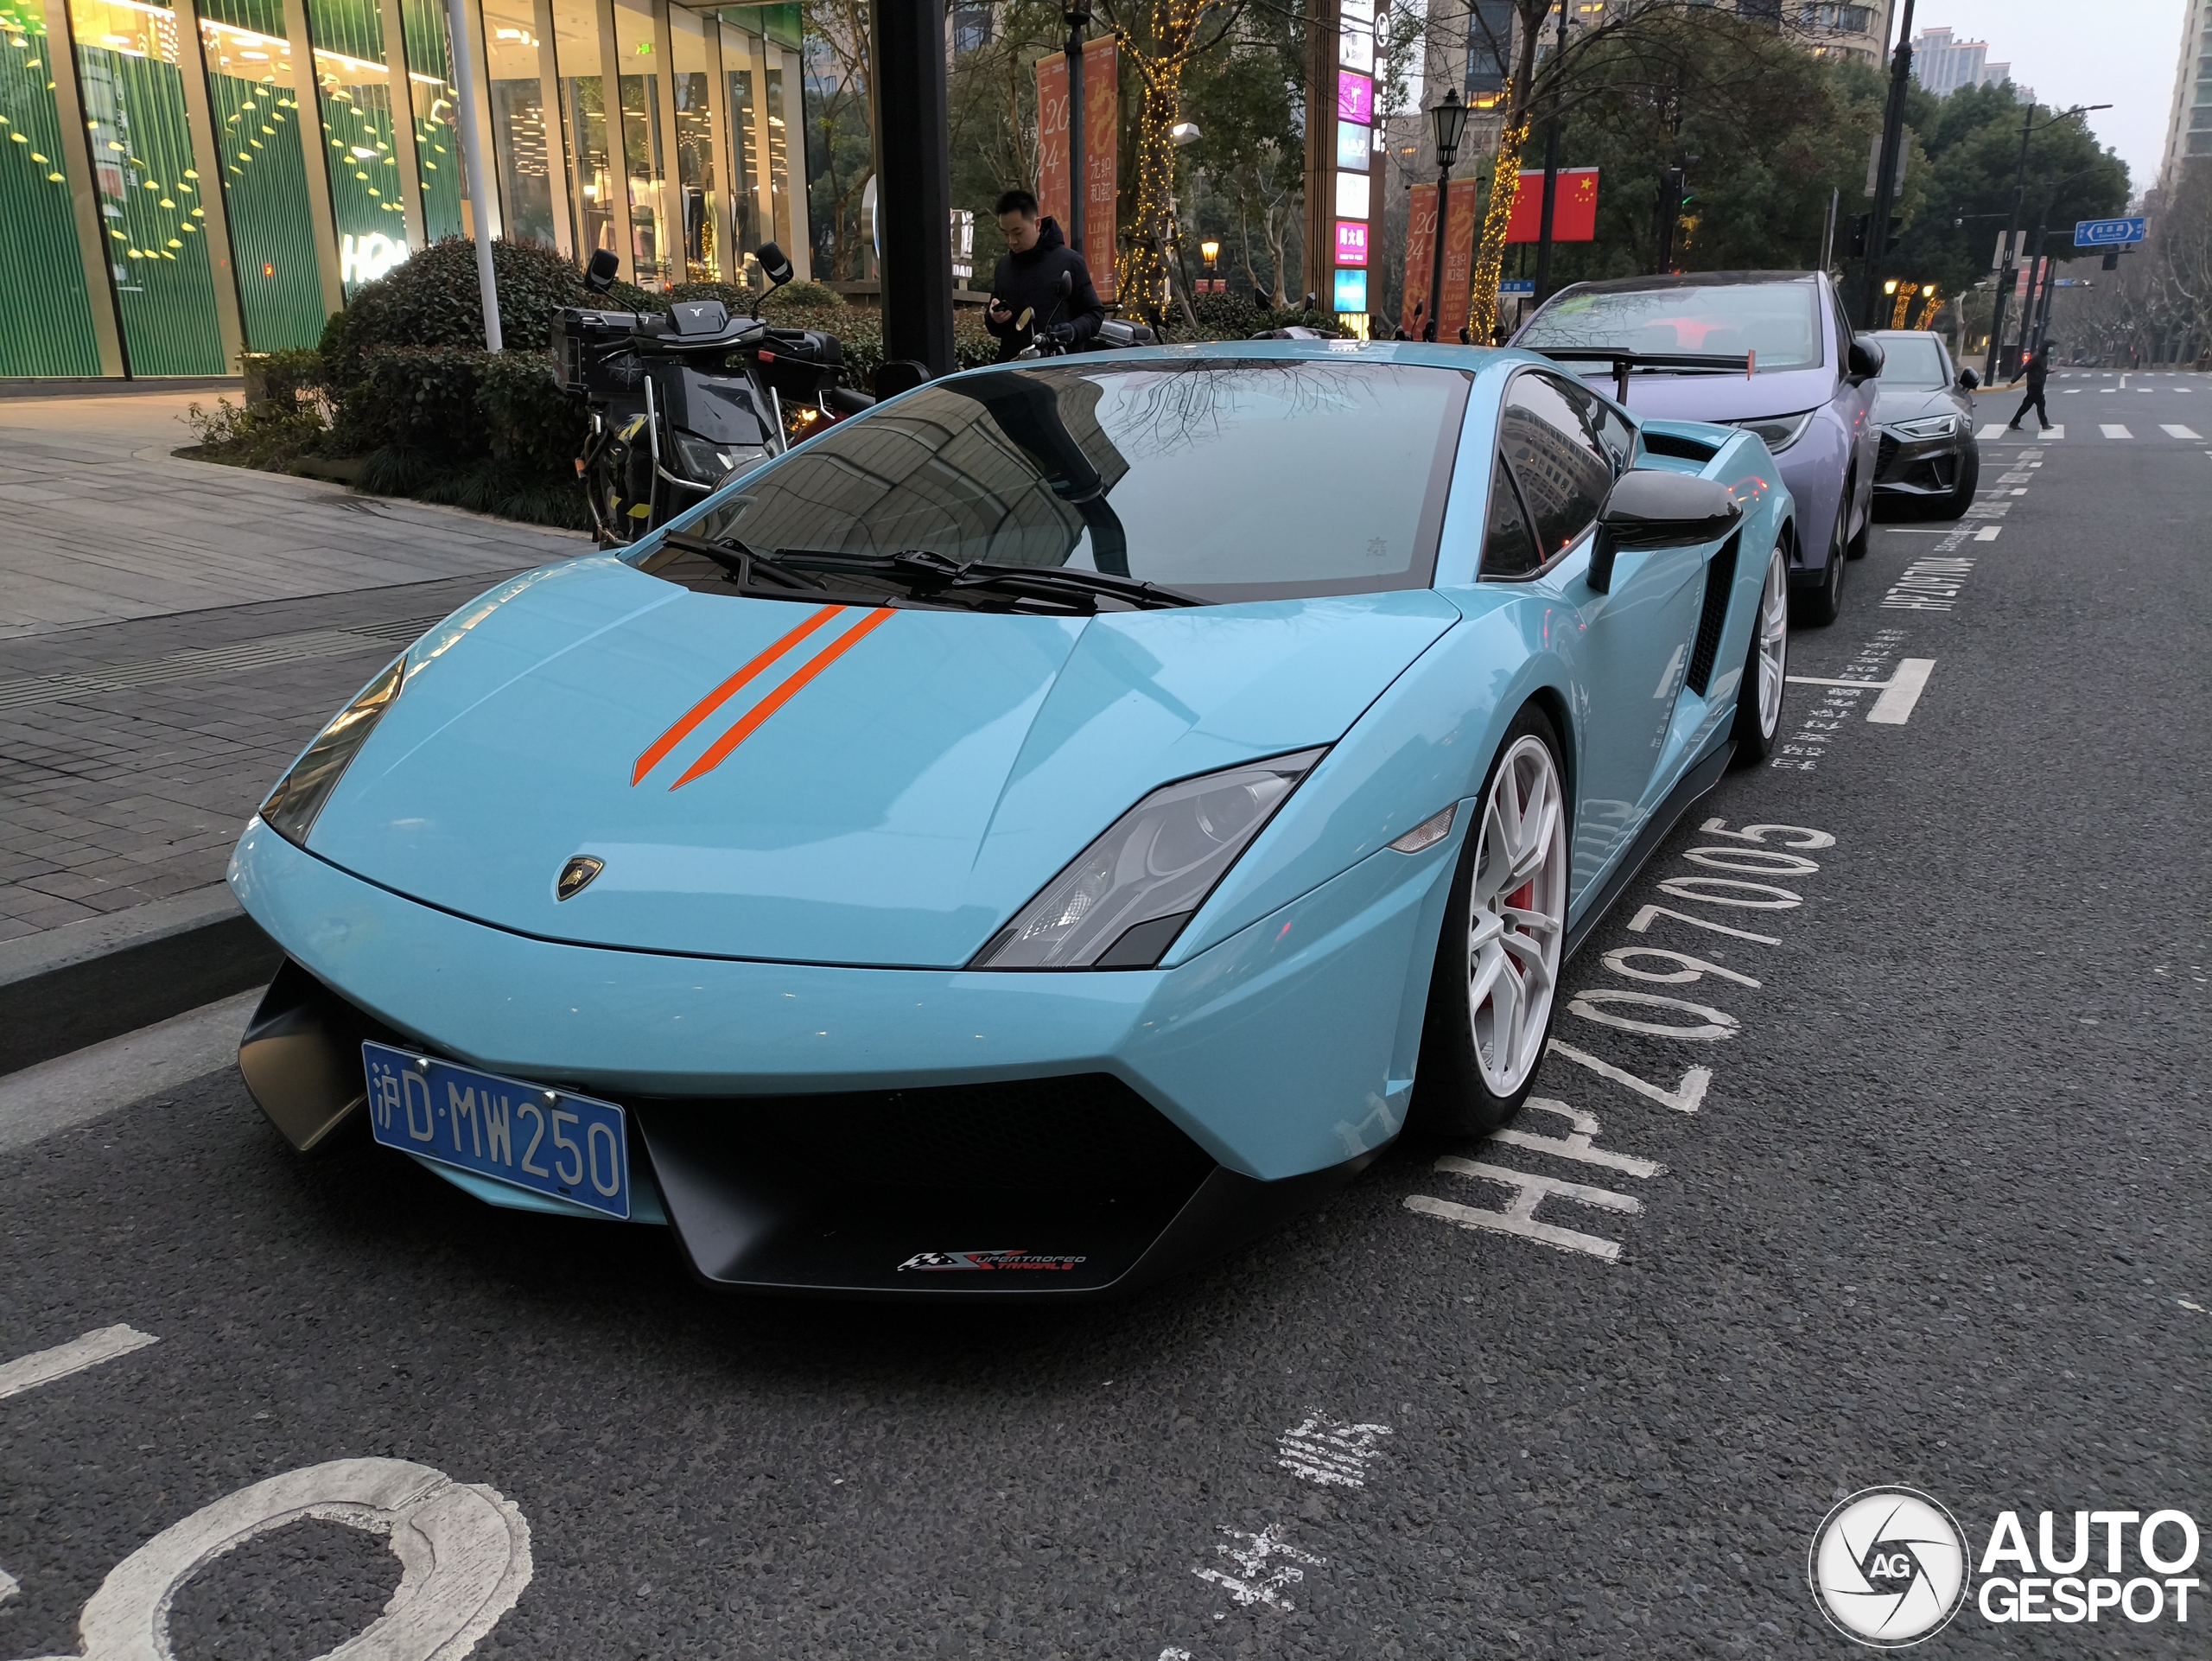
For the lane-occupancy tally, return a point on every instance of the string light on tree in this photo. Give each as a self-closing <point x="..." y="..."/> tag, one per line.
<point x="1490" y="259"/>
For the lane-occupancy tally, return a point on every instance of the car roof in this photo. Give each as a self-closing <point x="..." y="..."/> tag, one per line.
<point x="1473" y="360"/>
<point x="1687" y="280"/>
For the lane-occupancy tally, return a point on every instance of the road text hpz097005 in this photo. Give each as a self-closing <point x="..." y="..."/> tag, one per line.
<point x="683" y="403"/>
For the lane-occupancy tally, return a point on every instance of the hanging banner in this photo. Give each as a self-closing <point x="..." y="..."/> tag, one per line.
<point x="1420" y="259"/>
<point x="1575" y="207"/>
<point x="1462" y="219"/>
<point x="1101" y="156"/>
<point x="1053" y="197"/>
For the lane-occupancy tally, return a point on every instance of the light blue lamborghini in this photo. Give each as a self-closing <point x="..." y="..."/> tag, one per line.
<point x="1034" y="833"/>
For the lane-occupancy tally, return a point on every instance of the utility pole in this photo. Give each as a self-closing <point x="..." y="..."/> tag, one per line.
<point x="915" y="205"/>
<point x="1670" y="211"/>
<point x="1885" y="175"/>
<point x="2005" y="278"/>
<point x="1551" y="168"/>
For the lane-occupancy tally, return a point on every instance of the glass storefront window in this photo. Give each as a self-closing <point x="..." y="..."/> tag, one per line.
<point x="433" y="105"/>
<point x="46" y="316"/>
<point x="149" y="187"/>
<point x="650" y="258"/>
<point x="355" y="91"/>
<point x="745" y="205"/>
<point x="583" y="121"/>
<point x="256" y="112"/>
<point x="518" y="128"/>
<point x="695" y="144"/>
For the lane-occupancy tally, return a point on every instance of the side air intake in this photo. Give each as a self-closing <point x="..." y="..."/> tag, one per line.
<point x="1719" y="579"/>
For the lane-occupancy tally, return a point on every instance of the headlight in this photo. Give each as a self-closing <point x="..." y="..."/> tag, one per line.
<point x="1780" y="432"/>
<point x="1123" y="901"/>
<point x="714" y="464"/>
<point x="291" y="808"/>
<point x="1942" y="426"/>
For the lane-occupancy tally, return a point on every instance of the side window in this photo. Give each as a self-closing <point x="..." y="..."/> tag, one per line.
<point x="1844" y="333"/>
<point x="1508" y="546"/>
<point x="1603" y="422"/>
<point x="1565" y="474"/>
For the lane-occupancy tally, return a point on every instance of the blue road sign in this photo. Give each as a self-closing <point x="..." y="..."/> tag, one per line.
<point x="2105" y="233"/>
<point x="1517" y="286"/>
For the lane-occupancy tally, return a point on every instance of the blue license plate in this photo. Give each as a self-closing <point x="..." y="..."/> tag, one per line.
<point x="571" y="1147"/>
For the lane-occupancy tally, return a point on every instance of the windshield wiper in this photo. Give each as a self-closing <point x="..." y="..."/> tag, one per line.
<point x="929" y="573"/>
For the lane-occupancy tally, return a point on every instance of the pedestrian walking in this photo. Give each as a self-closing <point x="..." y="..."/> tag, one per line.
<point x="1028" y="281"/>
<point x="2037" y="369"/>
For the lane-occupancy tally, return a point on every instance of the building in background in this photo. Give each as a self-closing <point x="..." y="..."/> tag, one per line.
<point x="1829" y="29"/>
<point x="2188" y="128"/>
<point x="178" y="186"/>
<point x="1942" y="63"/>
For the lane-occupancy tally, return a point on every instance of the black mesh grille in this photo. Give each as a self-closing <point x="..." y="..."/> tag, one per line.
<point x="1087" y="1133"/>
<point x="1719" y="578"/>
<point x="1884" y="453"/>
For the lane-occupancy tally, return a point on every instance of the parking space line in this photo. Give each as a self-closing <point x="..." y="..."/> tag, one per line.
<point x="77" y="1355"/>
<point x="2172" y="431"/>
<point x="1987" y="533"/>
<point x="1894" y="707"/>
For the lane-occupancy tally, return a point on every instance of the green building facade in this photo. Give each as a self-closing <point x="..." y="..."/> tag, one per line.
<point x="179" y="186"/>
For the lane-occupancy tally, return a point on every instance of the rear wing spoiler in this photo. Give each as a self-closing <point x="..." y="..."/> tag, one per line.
<point x="1623" y="361"/>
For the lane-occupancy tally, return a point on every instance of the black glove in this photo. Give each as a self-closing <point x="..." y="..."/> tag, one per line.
<point x="1062" y="335"/>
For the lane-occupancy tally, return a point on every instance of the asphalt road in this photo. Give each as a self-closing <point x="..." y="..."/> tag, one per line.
<point x="1940" y="1218"/>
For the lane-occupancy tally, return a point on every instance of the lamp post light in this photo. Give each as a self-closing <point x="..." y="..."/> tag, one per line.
<point x="1209" y="250"/>
<point x="1447" y="120"/>
<point x="1076" y="14"/>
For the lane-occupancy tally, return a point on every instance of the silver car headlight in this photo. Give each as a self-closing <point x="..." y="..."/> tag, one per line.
<point x="291" y="808"/>
<point x="1942" y="426"/>
<point x="1123" y="901"/>
<point x="1780" y="432"/>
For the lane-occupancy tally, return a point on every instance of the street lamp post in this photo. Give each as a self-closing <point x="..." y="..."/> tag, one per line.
<point x="1885" y="172"/>
<point x="1077" y="15"/>
<point x="2028" y="128"/>
<point x="1209" y="250"/>
<point x="1448" y="120"/>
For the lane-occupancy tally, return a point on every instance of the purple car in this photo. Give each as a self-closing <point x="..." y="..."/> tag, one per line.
<point x="1809" y="394"/>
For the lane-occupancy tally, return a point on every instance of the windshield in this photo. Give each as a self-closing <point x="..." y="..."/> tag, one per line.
<point x="1240" y="480"/>
<point x="1780" y="321"/>
<point x="1913" y="360"/>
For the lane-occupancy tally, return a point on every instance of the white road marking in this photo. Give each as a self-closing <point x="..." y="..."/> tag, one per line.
<point x="2172" y="431"/>
<point x="2114" y="429"/>
<point x="1987" y="533"/>
<point x="1642" y="920"/>
<point x="1261" y="1582"/>
<point x="1685" y="1097"/>
<point x="8" y="1586"/>
<point x="2022" y="477"/>
<point x="1590" y="1003"/>
<point x="1894" y="707"/>
<point x="464" y="1551"/>
<point x="1329" y="1452"/>
<point x="1993" y="430"/>
<point x="2052" y="432"/>
<point x="1519" y="1216"/>
<point x="91" y="1083"/>
<point x="2070" y="392"/>
<point x="1577" y="1144"/>
<point x="77" y="1355"/>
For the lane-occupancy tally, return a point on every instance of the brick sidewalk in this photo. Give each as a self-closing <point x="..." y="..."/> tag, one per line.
<point x="172" y="632"/>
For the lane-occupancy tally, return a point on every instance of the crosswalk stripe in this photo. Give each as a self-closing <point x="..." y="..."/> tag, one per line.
<point x="1991" y="430"/>
<point x="2172" y="431"/>
<point x="2114" y="429"/>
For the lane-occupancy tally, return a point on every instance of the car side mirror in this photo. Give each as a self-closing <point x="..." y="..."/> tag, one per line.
<point x="1866" y="358"/>
<point x="1969" y="380"/>
<point x="1651" y="509"/>
<point x="606" y="265"/>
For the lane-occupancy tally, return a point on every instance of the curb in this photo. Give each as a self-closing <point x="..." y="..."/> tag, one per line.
<point x="87" y="981"/>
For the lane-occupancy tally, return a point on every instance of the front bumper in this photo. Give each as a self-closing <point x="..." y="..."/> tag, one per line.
<point x="816" y="1127"/>
<point x="1920" y="467"/>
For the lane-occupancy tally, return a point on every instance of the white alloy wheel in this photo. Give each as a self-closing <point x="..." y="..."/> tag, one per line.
<point x="1517" y="916"/>
<point x="1773" y="626"/>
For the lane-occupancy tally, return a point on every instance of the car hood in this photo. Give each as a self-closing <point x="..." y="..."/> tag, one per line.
<point x="1719" y="398"/>
<point x="1893" y="404"/>
<point x="934" y="772"/>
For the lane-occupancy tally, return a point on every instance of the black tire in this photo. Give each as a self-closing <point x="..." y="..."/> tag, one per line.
<point x="1822" y="603"/>
<point x="1954" y="506"/>
<point x="1858" y="546"/>
<point x="1451" y="1096"/>
<point x="1755" y="735"/>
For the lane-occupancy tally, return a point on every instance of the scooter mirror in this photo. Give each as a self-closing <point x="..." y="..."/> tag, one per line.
<point x="606" y="265"/>
<point x="773" y="264"/>
<point x="1067" y="285"/>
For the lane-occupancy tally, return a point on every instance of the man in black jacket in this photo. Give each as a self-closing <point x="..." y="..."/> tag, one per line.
<point x="1028" y="280"/>
<point x="2037" y="368"/>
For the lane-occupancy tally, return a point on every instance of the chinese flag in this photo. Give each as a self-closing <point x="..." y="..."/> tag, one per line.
<point x="1575" y="207"/>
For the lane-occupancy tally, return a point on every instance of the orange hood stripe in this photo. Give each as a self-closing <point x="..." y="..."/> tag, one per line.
<point x="751" y="720"/>
<point x="722" y="695"/>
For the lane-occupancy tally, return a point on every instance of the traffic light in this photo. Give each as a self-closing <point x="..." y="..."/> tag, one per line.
<point x="1854" y="243"/>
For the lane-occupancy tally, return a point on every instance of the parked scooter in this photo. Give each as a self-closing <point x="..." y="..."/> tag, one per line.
<point x="1049" y="341"/>
<point x="683" y="403"/>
